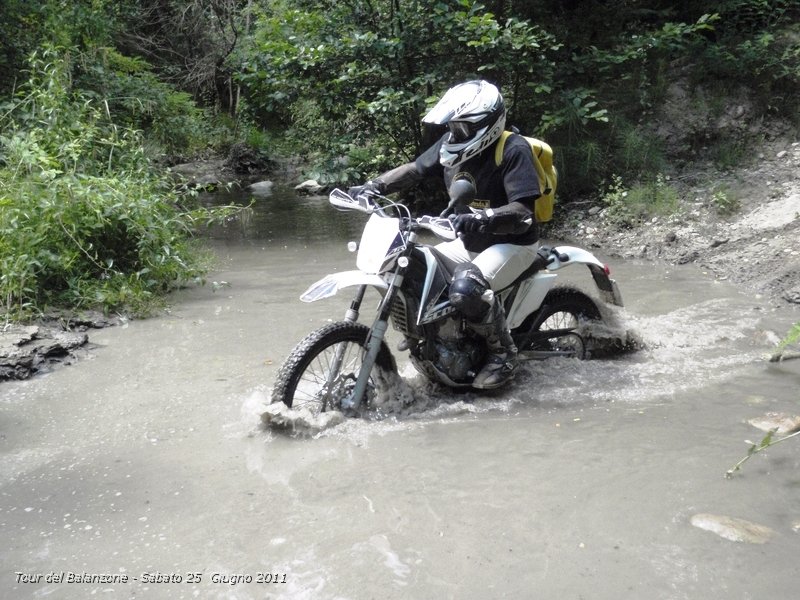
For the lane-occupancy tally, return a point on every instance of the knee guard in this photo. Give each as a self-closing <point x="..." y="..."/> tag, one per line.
<point x="468" y="292"/>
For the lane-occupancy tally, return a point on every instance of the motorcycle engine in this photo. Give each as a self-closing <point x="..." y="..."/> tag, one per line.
<point x="459" y="352"/>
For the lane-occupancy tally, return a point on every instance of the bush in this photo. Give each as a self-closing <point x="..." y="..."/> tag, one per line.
<point x="640" y="202"/>
<point x="134" y="97"/>
<point x="84" y="221"/>
<point x="725" y="202"/>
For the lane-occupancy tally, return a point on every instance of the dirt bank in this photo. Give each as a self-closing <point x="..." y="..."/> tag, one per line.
<point x="757" y="247"/>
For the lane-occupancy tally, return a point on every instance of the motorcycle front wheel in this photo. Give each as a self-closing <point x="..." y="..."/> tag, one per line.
<point x="322" y="369"/>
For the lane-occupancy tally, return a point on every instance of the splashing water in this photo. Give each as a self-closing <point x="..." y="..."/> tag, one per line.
<point x="651" y="357"/>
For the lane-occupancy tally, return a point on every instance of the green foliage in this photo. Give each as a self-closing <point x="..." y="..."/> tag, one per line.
<point x="760" y="38"/>
<point x="364" y="73"/>
<point x="792" y="337"/>
<point x="725" y="202"/>
<point x="767" y="441"/>
<point x="83" y="220"/>
<point x="135" y="97"/>
<point x="630" y="206"/>
<point x="28" y="25"/>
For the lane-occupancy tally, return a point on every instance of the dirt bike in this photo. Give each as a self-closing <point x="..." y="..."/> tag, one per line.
<point x="340" y="365"/>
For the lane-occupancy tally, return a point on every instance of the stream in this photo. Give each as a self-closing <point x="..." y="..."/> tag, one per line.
<point x="143" y="470"/>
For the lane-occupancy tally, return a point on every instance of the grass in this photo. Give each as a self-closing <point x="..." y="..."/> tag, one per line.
<point x="629" y="206"/>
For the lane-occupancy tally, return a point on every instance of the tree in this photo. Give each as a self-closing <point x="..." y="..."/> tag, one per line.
<point x="363" y="72"/>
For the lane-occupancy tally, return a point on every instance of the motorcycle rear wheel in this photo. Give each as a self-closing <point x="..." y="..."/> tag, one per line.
<point x="308" y="378"/>
<point x="564" y="310"/>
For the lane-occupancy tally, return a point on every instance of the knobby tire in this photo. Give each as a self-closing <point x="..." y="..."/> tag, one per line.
<point x="301" y="380"/>
<point x="563" y="308"/>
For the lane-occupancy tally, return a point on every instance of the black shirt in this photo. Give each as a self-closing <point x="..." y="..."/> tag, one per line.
<point x="515" y="180"/>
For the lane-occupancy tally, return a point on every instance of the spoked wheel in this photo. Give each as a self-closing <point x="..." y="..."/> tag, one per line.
<point x="323" y="368"/>
<point x="555" y="330"/>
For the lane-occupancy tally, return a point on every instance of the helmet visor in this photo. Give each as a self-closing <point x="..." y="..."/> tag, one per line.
<point x="461" y="131"/>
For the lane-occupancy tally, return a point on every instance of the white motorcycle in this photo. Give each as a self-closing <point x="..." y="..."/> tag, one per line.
<point x="337" y="367"/>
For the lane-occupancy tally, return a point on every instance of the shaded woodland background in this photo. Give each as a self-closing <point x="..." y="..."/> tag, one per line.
<point x="97" y="96"/>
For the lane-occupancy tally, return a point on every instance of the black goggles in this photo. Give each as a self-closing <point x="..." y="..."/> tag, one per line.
<point x="461" y="131"/>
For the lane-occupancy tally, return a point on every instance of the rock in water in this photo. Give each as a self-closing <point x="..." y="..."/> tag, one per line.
<point x="299" y="422"/>
<point x="26" y="350"/>
<point x="261" y="188"/>
<point x="733" y="529"/>
<point x="310" y="187"/>
<point x="781" y="422"/>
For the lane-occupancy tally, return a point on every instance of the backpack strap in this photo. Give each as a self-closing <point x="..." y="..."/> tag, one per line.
<point x="501" y="144"/>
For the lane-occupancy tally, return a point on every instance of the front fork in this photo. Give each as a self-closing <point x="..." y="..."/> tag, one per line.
<point x="351" y="316"/>
<point x="376" y="335"/>
<point x="378" y="330"/>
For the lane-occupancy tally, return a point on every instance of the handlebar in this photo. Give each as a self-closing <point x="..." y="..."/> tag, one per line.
<point x="368" y="203"/>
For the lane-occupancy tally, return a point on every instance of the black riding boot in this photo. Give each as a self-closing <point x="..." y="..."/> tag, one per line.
<point x="502" y="359"/>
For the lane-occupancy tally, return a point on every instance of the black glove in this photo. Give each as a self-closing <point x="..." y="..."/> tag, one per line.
<point x="469" y="223"/>
<point x="369" y="187"/>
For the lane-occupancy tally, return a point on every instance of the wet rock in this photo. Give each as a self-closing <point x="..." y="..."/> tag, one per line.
<point x="203" y="173"/>
<point x="83" y="320"/>
<point x="688" y="257"/>
<point x="781" y="422"/>
<point x="16" y="336"/>
<point x="792" y="295"/>
<point x="733" y="529"/>
<point x="261" y="188"/>
<point x="310" y="187"/>
<point x="27" y="350"/>
<point x="243" y="159"/>
<point x="299" y="422"/>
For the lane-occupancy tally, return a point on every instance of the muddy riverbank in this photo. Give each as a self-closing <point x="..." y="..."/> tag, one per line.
<point x="756" y="247"/>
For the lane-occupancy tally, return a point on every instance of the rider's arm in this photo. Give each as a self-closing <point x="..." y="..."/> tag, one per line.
<point x="514" y="217"/>
<point x="398" y="179"/>
<point x="409" y="174"/>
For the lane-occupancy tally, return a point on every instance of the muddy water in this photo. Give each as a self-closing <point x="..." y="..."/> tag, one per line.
<point x="147" y="460"/>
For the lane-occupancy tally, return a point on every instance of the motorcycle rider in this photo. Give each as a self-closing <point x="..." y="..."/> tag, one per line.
<point x="495" y="244"/>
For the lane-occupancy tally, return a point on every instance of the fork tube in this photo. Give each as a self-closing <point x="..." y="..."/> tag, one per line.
<point x="352" y="313"/>
<point x="374" y="341"/>
<point x="351" y="316"/>
<point x="373" y="347"/>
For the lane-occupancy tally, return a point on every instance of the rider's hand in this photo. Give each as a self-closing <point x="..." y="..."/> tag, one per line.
<point x="369" y="187"/>
<point x="469" y="223"/>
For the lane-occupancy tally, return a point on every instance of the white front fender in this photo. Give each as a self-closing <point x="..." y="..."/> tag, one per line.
<point x="330" y="284"/>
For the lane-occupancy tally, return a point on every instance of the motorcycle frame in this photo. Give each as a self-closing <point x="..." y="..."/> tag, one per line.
<point x="520" y="299"/>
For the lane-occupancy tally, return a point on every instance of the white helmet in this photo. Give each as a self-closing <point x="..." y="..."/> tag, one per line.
<point x="476" y="116"/>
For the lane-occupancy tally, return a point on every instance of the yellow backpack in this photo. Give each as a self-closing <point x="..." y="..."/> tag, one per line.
<point x="548" y="176"/>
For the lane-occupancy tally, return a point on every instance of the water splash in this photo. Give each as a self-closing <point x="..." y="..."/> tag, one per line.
<point x="642" y="359"/>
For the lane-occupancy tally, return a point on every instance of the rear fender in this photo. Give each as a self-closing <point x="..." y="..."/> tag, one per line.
<point x="564" y="256"/>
